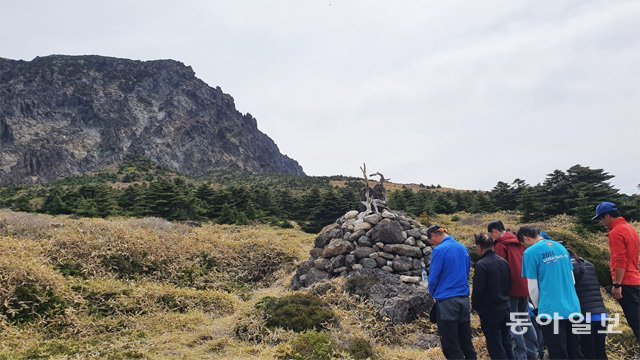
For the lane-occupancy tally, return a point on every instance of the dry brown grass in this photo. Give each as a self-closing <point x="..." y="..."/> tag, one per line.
<point x="151" y="289"/>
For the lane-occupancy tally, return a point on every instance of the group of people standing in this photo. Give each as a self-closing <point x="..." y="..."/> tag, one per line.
<point x="531" y="291"/>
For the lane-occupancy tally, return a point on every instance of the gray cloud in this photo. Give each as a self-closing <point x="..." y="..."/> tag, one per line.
<point x="458" y="93"/>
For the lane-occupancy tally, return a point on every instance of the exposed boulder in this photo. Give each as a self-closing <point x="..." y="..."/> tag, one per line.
<point x="395" y="300"/>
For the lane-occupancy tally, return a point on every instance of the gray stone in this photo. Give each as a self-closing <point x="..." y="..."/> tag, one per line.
<point x="357" y="267"/>
<point x="410" y="279"/>
<point x="322" y="263"/>
<point x="393" y="299"/>
<point x="403" y="250"/>
<point x="351" y="214"/>
<point x="401" y="264"/>
<point x="373" y="219"/>
<point x="363" y="252"/>
<point x="314" y="275"/>
<point x="338" y="261"/>
<point x="297" y="281"/>
<point x="423" y="231"/>
<point x="404" y="235"/>
<point x="374" y="255"/>
<point x="315" y="252"/>
<point x="388" y="269"/>
<point x="346" y="235"/>
<point x="337" y="247"/>
<point x="340" y="270"/>
<point x="425" y="239"/>
<point x="405" y="224"/>
<point x="416" y="264"/>
<point x="414" y="233"/>
<point x="420" y="244"/>
<point x="427" y="250"/>
<point x="387" y="255"/>
<point x="388" y="215"/>
<point x="380" y="245"/>
<point x="323" y="239"/>
<point x="368" y="263"/>
<point x="388" y="232"/>
<point x="380" y="261"/>
<point x="356" y="235"/>
<point x="389" y="263"/>
<point x="410" y="241"/>
<point x="349" y="260"/>
<point x="364" y="226"/>
<point x="364" y="241"/>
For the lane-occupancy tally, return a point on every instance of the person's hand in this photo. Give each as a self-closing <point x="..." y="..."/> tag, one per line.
<point x="617" y="293"/>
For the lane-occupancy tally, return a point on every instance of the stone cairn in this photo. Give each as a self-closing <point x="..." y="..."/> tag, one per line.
<point x="373" y="238"/>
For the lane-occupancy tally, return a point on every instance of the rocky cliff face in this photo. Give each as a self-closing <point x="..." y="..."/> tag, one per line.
<point x="68" y="115"/>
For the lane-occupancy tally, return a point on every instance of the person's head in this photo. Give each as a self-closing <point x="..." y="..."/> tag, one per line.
<point x="483" y="244"/>
<point x="572" y="253"/>
<point x="436" y="234"/>
<point x="606" y="213"/>
<point x="496" y="230"/>
<point x="528" y="235"/>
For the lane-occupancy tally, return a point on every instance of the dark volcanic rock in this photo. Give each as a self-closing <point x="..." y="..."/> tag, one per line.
<point x="399" y="302"/>
<point x="68" y="115"/>
<point x="388" y="232"/>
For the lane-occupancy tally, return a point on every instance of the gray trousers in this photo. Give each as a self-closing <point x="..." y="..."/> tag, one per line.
<point x="525" y="346"/>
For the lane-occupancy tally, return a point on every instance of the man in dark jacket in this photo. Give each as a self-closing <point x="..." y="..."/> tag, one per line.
<point x="592" y="307"/>
<point x="507" y="246"/>
<point x="490" y="298"/>
<point x="449" y="286"/>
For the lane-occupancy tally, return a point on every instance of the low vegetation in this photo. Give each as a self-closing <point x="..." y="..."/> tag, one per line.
<point x="123" y="288"/>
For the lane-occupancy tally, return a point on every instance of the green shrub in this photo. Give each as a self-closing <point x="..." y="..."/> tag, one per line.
<point x="297" y="312"/>
<point x="31" y="301"/>
<point x="360" y="348"/>
<point x="455" y="218"/>
<point x="312" y="346"/>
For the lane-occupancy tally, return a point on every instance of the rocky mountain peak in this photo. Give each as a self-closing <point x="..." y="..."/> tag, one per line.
<point x="67" y="115"/>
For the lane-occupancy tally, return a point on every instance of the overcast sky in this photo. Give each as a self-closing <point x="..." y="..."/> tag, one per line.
<point x="462" y="94"/>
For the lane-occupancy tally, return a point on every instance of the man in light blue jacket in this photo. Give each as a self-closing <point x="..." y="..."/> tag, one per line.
<point x="449" y="286"/>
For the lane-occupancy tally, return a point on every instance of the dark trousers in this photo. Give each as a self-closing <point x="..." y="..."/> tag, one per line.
<point x="563" y="344"/>
<point x="593" y="345"/>
<point x="454" y="327"/>
<point x="498" y="336"/>
<point x="630" y="303"/>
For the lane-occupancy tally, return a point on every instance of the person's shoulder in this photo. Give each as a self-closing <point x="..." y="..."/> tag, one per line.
<point x="532" y="250"/>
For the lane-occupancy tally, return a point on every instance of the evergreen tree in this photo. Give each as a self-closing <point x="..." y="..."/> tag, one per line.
<point x="588" y="188"/>
<point x="530" y="204"/>
<point x="21" y="203"/>
<point x="503" y="196"/>
<point x="444" y="205"/>
<point x="54" y="205"/>
<point x="131" y="201"/>
<point x="86" y="207"/>
<point x="556" y="194"/>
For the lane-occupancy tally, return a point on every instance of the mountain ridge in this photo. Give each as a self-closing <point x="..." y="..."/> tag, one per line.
<point x="66" y="115"/>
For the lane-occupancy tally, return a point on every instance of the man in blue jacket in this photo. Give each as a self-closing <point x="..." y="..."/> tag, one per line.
<point x="449" y="286"/>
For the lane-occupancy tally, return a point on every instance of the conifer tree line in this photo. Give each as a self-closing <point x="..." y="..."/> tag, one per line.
<point x="143" y="190"/>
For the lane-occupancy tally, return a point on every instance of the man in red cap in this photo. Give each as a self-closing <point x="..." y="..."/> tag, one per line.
<point x="623" y="246"/>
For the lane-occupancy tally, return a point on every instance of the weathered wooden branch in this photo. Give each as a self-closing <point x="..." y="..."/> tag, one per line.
<point x="367" y="202"/>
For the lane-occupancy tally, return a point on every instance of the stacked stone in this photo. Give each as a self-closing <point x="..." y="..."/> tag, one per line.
<point x="389" y="241"/>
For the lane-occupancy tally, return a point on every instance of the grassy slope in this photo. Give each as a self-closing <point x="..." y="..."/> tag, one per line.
<point x="146" y="288"/>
